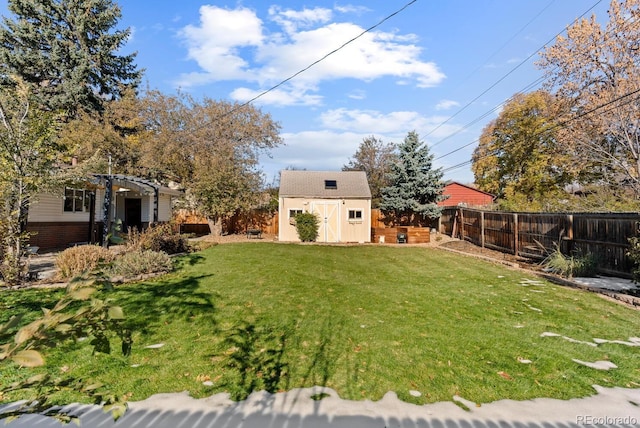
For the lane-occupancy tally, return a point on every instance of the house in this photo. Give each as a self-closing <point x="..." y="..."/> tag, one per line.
<point x="463" y="195"/>
<point x="341" y="200"/>
<point x="86" y="213"/>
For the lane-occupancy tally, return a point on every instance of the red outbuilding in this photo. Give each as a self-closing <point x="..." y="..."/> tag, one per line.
<point x="463" y="195"/>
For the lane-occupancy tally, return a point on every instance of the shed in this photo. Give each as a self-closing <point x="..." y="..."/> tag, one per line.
<point x="462" y="195"/>
<point x="340" y="199"/>
<point x="84" y="212"/>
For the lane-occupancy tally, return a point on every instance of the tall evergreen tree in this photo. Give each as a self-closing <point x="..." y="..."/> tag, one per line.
<point x="415" y="186"/>
<point x="66" y="51"/>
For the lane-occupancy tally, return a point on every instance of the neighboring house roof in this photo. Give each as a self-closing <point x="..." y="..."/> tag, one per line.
<point x="138" y="184"/>
<point x="462" y="194"/>
<point x="324" y="184"/>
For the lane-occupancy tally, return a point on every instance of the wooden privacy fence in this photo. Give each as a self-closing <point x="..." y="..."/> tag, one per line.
<point x="535" y="235"/>
<point x="191" y="222"/>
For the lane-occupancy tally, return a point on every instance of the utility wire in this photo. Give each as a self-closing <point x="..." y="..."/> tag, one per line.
<point x="530" y="86"/>
<point x="373" y="27"/>
<point x="505" y="76"/>
<point x="510" y="40"/>
<point x="562" y="124"/>
<point x="484" y="115"/>
<point x="293" y="76"/>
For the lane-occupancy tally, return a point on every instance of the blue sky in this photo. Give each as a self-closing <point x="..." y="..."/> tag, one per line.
<point x="441" y="68"/>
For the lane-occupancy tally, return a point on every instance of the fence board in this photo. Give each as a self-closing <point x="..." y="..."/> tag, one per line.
<point x="534" y="235"/>
<point x="499" y="231"/>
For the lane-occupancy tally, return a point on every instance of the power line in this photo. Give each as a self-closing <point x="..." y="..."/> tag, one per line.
<point x="559" y="125"/>
<point x="484" y="115"/>
<point x="531" y="85"/>
<point x="373" y="27"/>
<point x="293" y="76"/>
<point x="505" y="76"/>
<point x="509" y="40"/>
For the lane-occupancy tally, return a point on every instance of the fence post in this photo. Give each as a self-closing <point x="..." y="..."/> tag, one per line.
<point x="569" y="235"/>
<point x="516" y="244"/>
<point x="482" y="228"/>
<point x="462" y="224"/>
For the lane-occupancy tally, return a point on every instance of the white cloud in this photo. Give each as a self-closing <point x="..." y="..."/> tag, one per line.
<point x="357" y="94"/>
<point x="235" y="44"/>
<point x="291" y="20"/>
<point x="276" y="97"/>
<point x="396" y="123"/>
<point x="352" y="9"/>
<point x="446" y="104"/>
<point x="215" y="44"/>
<point x="323" y="150"/>
<point x="314" y="150"/>
<point x="132" y="34"/>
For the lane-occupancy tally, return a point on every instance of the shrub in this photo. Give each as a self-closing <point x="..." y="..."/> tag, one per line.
<point x="75" y="261"/>
<point x="307" y="226"/>
<point x="634" y="254"/>
<point x="158" y="238"/>
<point x="571" y="266"/>
<point x="138" y="262"/>
<point x="90" y="317"/>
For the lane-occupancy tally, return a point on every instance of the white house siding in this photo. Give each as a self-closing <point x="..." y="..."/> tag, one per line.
<point x="164" y="208"/>
<point x="342" y="231"/>
<point x="50" y="208"/>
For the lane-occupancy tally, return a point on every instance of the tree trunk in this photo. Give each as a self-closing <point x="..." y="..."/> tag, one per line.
<point x="215" y="226"/>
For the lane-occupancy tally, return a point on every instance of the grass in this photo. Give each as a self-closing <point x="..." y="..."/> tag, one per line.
<point x="362" y="320"/>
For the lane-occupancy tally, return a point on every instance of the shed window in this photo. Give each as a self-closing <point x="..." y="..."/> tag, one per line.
<point x="355" y="215"/>
<point x="294" y="213"/>
<point x="330" y="184"/>
<point x="76" y="200"/>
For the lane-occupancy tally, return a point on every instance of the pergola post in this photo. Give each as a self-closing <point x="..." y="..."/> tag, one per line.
<point x="106" y="210"/>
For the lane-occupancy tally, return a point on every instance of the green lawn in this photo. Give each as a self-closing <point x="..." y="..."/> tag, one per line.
<point x="362" y="320"/>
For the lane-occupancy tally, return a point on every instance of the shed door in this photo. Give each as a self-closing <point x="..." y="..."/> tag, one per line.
<point x="328" y="213"/>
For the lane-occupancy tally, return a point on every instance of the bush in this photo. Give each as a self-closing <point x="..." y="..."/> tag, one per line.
<point x="158" y="238"/>
<point x="75" y="261"/>
<point x="571" y="266"/>
<point x="307" y="226"/>
<point x="634" y="254"/>
<point x="138" y="262"/>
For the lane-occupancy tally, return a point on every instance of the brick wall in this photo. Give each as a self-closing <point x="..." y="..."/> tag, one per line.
<point x="59" y="235"/>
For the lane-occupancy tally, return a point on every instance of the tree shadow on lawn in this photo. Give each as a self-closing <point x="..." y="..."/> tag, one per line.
<point x="148" y="304"/>
<point x="188" y="260"/>
<point x="259" y="357"/>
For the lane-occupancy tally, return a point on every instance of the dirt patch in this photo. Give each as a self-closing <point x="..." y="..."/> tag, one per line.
<point x="239" y="237"/>
<point x="468" y="247"/>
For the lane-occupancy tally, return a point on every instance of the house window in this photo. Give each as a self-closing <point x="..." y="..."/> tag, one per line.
<point x="76" y="200"/>
<point x="355" y="215"/>
<point x="330" y="184"/>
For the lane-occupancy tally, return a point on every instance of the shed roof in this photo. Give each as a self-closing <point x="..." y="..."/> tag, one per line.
<point x="318" y="184"/>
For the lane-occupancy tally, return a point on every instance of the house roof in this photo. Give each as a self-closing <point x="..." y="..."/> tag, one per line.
<point x="320" y="184"/>
<point x="448" y="183"/>
<point x="138" y="184"/>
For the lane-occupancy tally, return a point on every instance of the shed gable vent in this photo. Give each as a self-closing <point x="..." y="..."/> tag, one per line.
<point x="330" y="184"/>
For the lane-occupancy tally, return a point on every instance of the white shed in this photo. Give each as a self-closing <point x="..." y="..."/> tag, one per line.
<point x="340" y="199"/>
